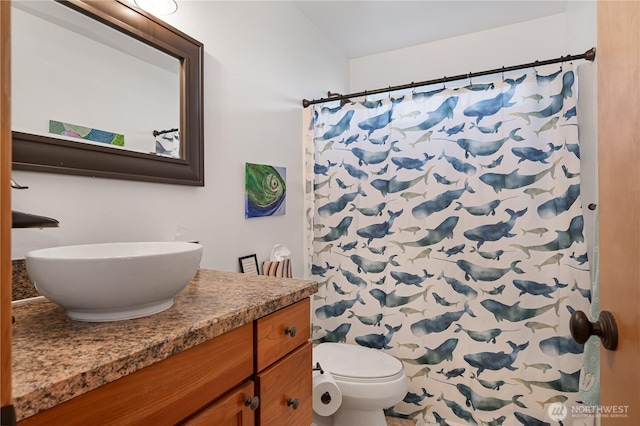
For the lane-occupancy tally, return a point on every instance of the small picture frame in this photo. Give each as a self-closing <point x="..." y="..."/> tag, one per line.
<point x="249" y="264"/>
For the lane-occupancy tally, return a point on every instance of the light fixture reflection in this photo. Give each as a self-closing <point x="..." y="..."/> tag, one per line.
<point x="157" y="7"/>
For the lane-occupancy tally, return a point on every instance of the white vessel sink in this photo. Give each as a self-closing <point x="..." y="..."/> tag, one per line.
<point x="113" y="281"/>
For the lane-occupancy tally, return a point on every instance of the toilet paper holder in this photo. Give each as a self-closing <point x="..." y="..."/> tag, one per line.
<point x="325" y="398"/>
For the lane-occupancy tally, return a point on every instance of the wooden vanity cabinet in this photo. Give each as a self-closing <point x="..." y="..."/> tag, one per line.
<point x="283" y="366"/>
<point x="259" y="373"/>
<point x="164" y="393"/>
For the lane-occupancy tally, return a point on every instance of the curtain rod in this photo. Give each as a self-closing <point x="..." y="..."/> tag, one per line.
<point x="589" y="55"/>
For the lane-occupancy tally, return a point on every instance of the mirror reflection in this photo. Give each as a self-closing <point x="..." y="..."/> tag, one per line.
<point x="78" y="79"/>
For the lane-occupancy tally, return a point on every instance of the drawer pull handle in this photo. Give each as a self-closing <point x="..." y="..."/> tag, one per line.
<point x="291" y="331"/>
<point x="252" y="403"/>
<point x="295" y="403"/>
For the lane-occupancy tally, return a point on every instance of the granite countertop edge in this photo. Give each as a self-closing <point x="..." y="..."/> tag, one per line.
<point x="185" y="325"/>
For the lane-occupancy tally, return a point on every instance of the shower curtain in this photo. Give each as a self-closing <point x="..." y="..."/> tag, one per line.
<point x="445" y="228"/>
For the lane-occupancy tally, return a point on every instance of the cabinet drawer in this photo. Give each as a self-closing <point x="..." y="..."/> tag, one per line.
<point x="281" y="332"/>
<point x="285" y="390"/>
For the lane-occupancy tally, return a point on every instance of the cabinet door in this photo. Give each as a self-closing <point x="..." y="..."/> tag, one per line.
<point x="285" y="390"/>
<point x="233" y="409"/>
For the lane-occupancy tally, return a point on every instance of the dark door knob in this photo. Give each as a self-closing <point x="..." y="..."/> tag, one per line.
<point x="605" y="328"/>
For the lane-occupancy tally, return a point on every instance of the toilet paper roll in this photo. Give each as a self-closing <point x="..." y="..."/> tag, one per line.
<point x="327" y="397"/>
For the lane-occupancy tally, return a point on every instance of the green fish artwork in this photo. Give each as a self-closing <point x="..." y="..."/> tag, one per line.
<point x="265" y="190"/>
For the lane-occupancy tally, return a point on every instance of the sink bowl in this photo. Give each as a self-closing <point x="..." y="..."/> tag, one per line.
<point x="113" y="281"/>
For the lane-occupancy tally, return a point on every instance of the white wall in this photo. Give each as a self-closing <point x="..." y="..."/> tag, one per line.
<point x="261" y="60"/>
<point x="582" y="22"/>
<point x="510" y="45"/>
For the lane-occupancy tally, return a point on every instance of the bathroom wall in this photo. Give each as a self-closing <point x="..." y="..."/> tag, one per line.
<point x="581" y="23"/>
<point x="509" y="45"/>
<point x="572" y="32"/>
<point x="261" y="60"/>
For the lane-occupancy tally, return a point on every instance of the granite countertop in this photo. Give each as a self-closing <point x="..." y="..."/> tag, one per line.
<point x="56" y="358"/>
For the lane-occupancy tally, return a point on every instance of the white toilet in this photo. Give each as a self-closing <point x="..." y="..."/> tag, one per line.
<point x="368" y="379"/>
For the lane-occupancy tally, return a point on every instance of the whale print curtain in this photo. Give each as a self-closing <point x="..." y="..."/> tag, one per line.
<point x="446" y="229"/>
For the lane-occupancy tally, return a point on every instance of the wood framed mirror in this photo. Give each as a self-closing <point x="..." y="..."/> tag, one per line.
<point x="41" y="152"/>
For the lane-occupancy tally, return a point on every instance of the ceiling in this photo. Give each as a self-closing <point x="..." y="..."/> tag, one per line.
<point x="367" y="27"/>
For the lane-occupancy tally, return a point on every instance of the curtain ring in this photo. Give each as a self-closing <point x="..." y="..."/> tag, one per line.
<point x="534" y="67"/>
<point x="444" y="79"/>
<point x="503" y="73"/>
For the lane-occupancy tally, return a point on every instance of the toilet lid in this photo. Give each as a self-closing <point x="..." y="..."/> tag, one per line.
<point x="356" y="361"/>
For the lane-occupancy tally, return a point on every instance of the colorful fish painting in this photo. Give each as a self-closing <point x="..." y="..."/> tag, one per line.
<point x="265" y="190"/>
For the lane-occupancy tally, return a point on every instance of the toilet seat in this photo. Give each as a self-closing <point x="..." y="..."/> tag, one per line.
<point x="357" y="364"/>
<point x="368" y="379"/>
